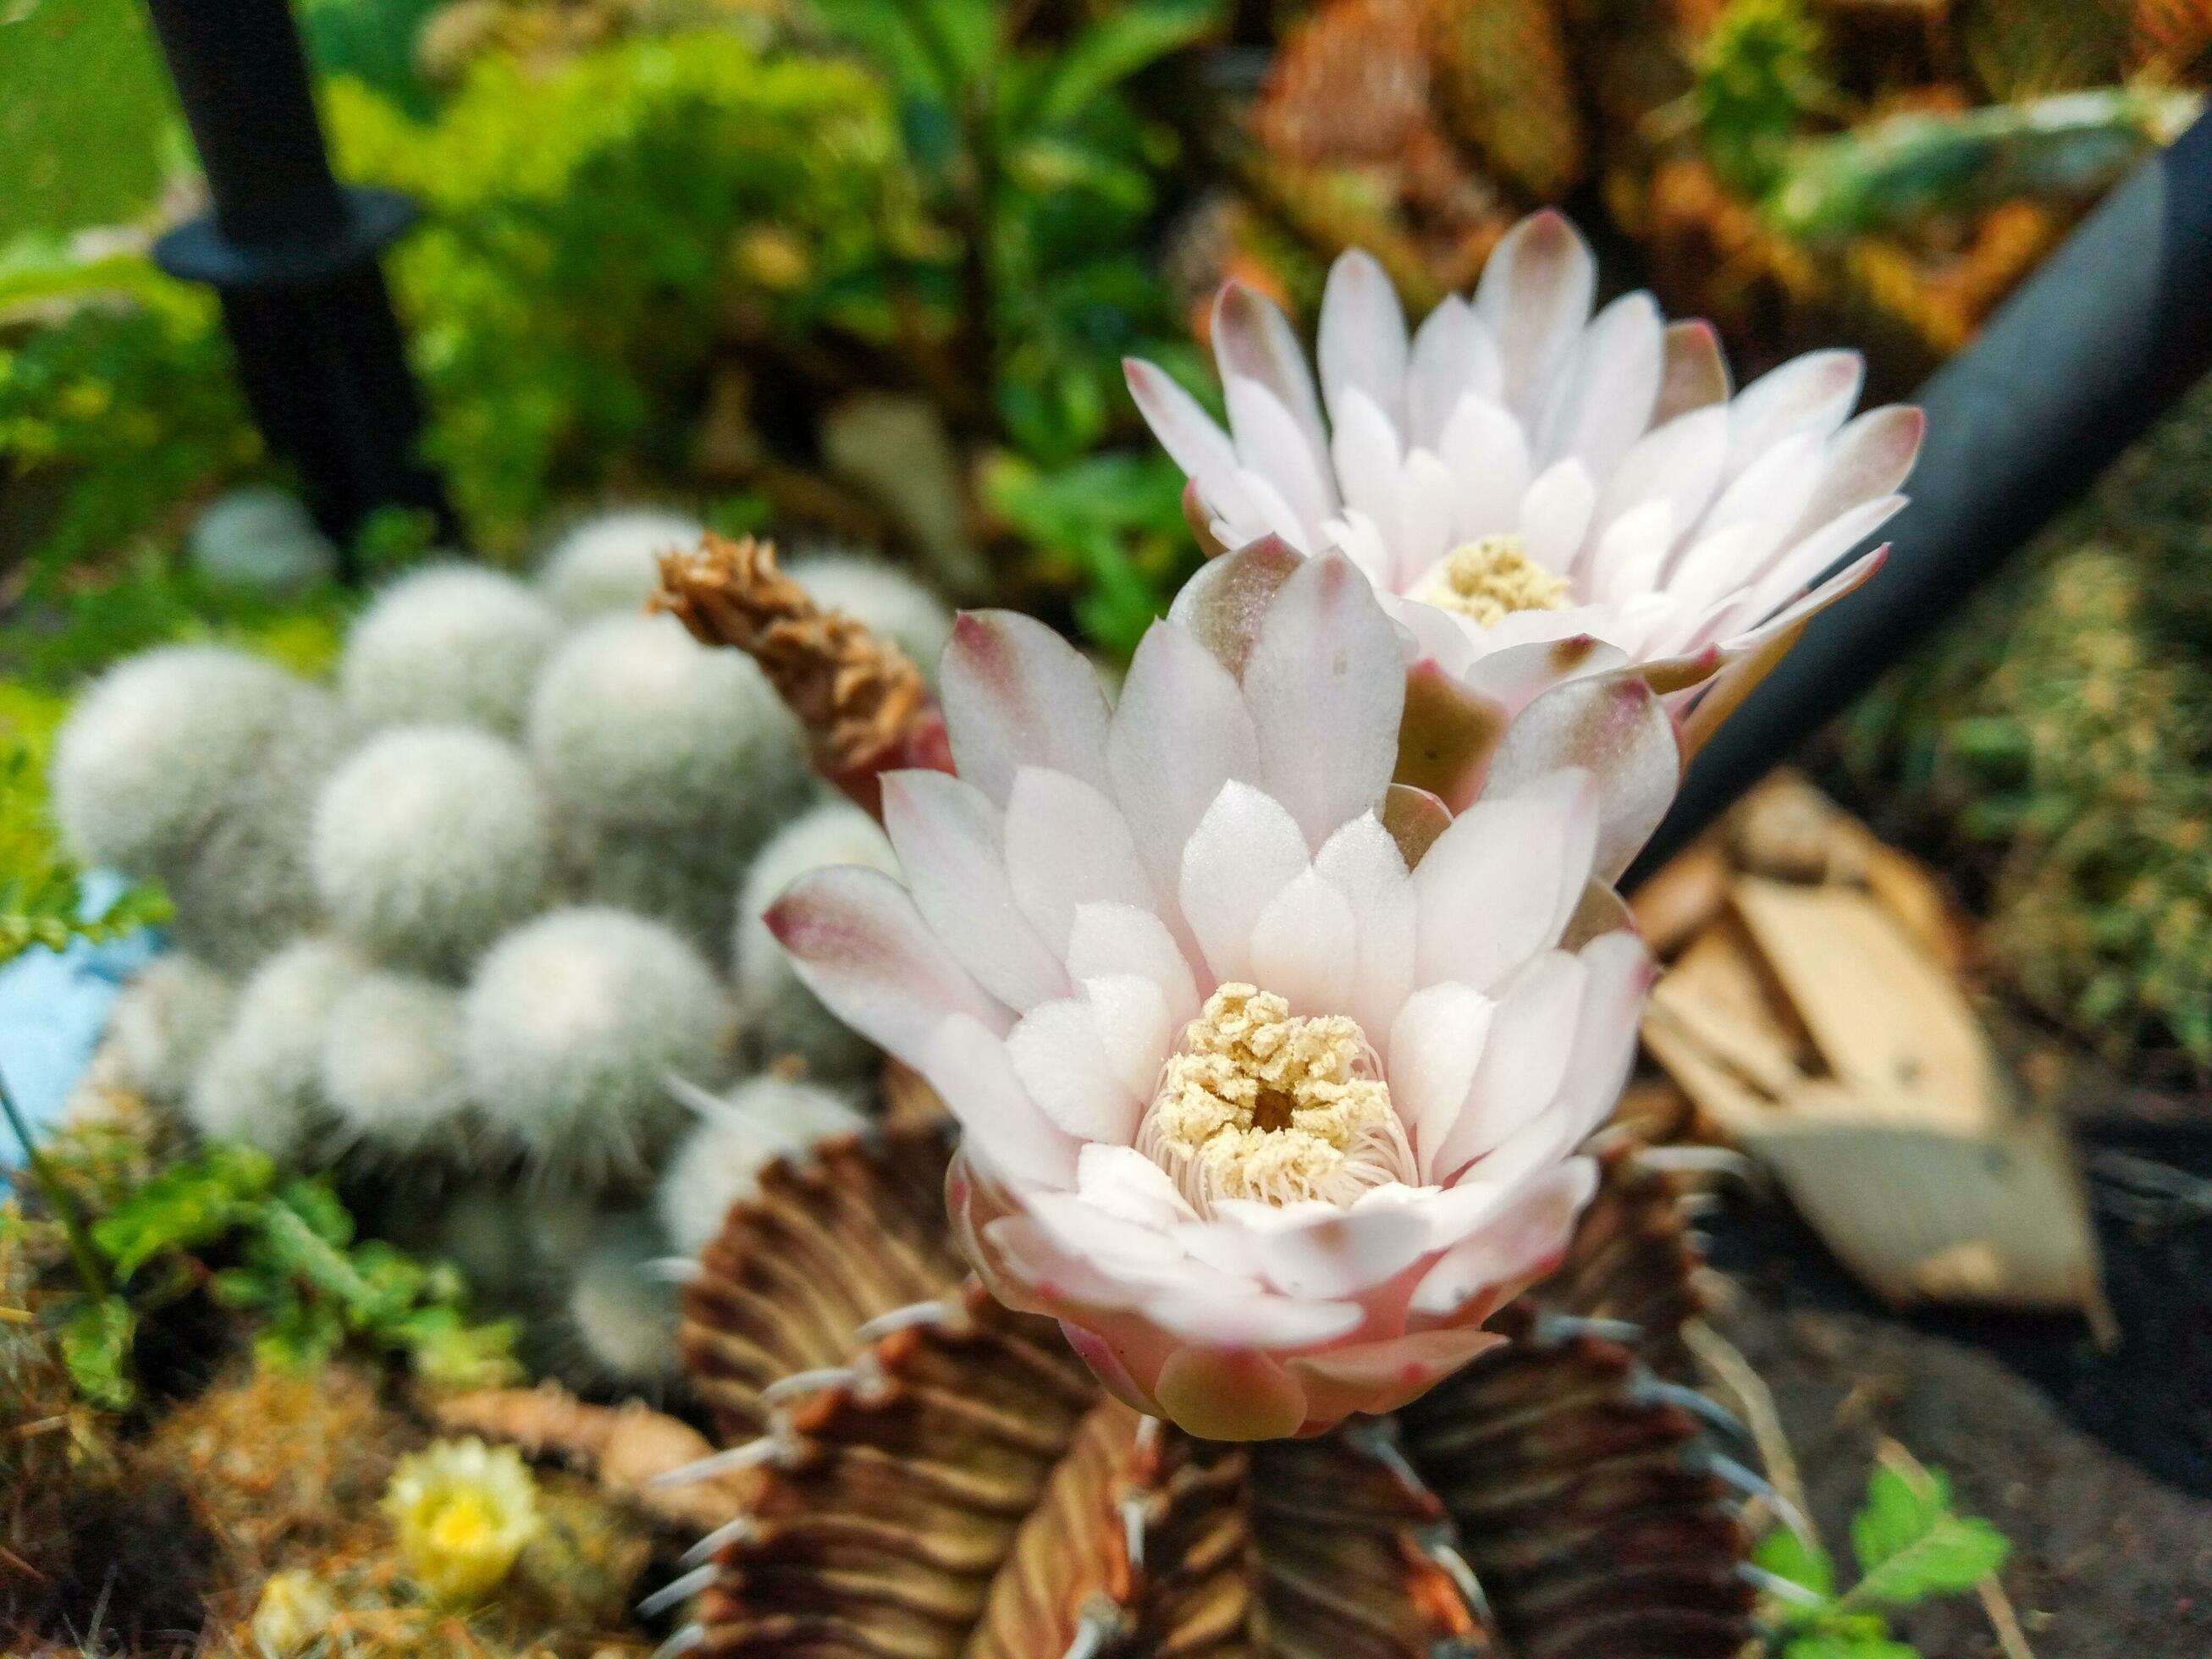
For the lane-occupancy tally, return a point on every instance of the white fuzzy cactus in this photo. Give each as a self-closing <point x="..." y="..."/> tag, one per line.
<point x="452" y="642"/>
<point x="637" y="723"/>
<point x="612" y="561"/>
<point x="390" y="1068"/>
<point x="738" y="1133"/>
<point x="571" y="1026"/>
<point x="164" y="1022"/>
<point x="781" y="1016"/>
<point x="194" y="765"/>
<point x="885" y="599"/>
<point x="430" y="842"/>
<point x="623" y="1315"/>
<point x="261" y="1082"/>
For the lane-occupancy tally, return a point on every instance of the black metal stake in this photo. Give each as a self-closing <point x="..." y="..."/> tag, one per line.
<point x="293" y="257"/>
<point x="2113" y="328"/>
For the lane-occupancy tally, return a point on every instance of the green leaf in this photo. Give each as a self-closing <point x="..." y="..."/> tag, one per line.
<point x="1911" y="1546"/>
<point x="1827" y="1645"/>
<point x="95" y="1344"/>
<point x="1119" y="45"/>
<point x="184" y="1207"/>
<point x="1786" y="1555"/>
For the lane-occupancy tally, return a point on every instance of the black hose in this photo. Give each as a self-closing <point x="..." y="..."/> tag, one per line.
<point x="2112" y="329"/>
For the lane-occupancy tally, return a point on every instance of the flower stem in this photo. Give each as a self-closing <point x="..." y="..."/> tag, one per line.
<point x="58" y="1200"/>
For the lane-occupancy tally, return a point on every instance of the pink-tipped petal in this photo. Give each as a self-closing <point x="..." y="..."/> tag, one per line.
<point x="1122" y="1181"/>
<point x="1516" y="1245"/>
<point x="1534" y="297"/>
<point x="1225" y="603"/>
<point x="1603" y="401"/>
<point x="1188" y="434"/>
<point x="860" y="945"/>
<point x="1002" y="1131"/>
<point x="1614" y="728"/>
<point x="1253" y="341"/>
<point x="1435" y="1044"/>
<point x="949" y="838"/>
<point x="1619" y="973"/>
<point x="1269" y="443"/>
<point x="1362" y="337"/>
<point x="1324" y="1254"/>
<point x="1524" y="1063"/>
<point x="1016" y="695"/>
<point x="1695" y="373"/>
<point x="1808" y="394"/>
<point x="1871" y="457"/>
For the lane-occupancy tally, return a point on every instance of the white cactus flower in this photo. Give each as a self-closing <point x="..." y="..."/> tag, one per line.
<point x="1271" y="1072"/>
<point x="1537" y="491"/>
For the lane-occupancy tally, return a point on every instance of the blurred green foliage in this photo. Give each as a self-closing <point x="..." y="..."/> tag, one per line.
<point x="2058" y="735"/>
<point x="1760" y="78"/>
<point x="83" y="104"/>
<point x="125" y="403"/>
<point x="579" y="246"/>
<point x="964" y="201"/>
<point x="282" y="1251"/>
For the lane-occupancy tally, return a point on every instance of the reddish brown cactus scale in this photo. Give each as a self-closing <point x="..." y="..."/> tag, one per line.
<point x="939" y="1478"/>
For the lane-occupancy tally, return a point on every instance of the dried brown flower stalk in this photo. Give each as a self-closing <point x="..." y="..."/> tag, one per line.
<point x="865" y="707"/>
<point x="932" y="1475"/>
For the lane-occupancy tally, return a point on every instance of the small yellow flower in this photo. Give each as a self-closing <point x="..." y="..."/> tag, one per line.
<point x="463" y="1511"/>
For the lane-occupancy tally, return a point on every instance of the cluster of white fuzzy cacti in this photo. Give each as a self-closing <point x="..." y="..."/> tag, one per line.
<point x="484" y="917"/>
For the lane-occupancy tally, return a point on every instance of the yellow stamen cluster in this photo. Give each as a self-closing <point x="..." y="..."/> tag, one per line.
<point x="1490" y="578"/>
<point x="1257" y="1104"/>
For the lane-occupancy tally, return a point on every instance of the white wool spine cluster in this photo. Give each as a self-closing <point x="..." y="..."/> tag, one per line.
<point x="572" y="1025"/>
<point x="623" y="1316"/>
<point x="611" y="562"/>
<point x="429" y="842"/>
<point x="261" y="1081"/>
<point x="390" y="1071"/>
<point x="450" y="643"/>
<point x="194" y="766"/>
<point x="165" y="1021"/>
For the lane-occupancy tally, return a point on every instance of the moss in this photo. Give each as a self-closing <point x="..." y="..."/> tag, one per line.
<point x="2056" y="739"/>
